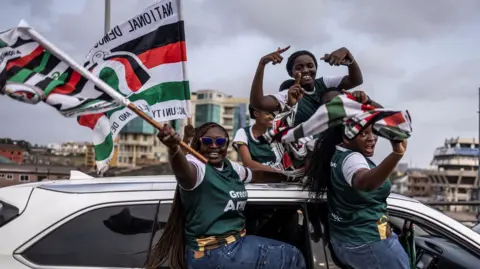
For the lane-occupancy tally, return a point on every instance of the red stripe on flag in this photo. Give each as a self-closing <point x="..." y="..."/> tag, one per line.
<point x="368" y="118"/>
<point x="173" y="53"/>
<point x="21" y="62"/>
<point x="70" y="86"/>
<point x="132" y="80"/>
<point x="395" y="119"/>
<point x="366" y="107"/>
<point x="89" y="120"/>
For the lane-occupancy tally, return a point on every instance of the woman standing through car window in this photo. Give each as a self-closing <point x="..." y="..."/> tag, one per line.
<point x="359" y="230"/>
<point x="254" y="151"/>
<point x="206" y="227"/>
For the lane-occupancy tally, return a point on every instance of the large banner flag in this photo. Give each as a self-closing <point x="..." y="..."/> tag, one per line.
<point x="144" y="59"/>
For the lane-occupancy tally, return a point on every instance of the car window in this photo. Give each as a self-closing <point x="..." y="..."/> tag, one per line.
<point x="116" y="236"/>
<point x="317" y="220"/>
<point x="8" y="212"/>
<point x="476" y="228"/>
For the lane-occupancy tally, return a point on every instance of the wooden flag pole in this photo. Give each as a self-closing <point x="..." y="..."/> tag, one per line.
<point x="100" y="83"/>
<point x="159" y="126"/>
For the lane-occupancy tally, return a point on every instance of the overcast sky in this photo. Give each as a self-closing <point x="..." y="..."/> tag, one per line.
<point x="416" y="55"/>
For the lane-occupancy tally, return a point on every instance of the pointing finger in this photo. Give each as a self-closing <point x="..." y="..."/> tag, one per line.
<point x="298" y="78"/>
<point x="279" y="50"/>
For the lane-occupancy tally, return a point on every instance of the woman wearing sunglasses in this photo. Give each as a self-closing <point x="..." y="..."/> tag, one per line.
<point x="254" y="151"/>
<point x="206" y="226"/>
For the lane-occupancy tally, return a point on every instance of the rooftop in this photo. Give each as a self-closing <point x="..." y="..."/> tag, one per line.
<point x="32" y="168"/>
<point x="151" y="183"/>
<point x="10" y="147"/>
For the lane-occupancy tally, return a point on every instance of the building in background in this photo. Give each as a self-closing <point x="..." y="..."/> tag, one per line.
<point x="455" y="178"/>
<point x="68" y="148"/>
<point x="12" y="152"/>
<point x="12" y="173"/>
<point x="138" y="145"/>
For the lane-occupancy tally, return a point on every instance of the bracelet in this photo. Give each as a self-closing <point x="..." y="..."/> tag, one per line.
<point x="398" y="153"/>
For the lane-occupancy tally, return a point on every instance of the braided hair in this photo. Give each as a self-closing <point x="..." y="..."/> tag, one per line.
<point x="171" y="245"/>
<point x="319" y="172"/>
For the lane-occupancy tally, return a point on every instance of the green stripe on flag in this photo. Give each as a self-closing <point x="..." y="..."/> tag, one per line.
<point x="103" y="150"/>
<point x="21" y="76"/>
<point x="55" y="83"/>
<point x="43" y="63"/>
<point x="335" y="110"/>
<point x="168" y="91"/>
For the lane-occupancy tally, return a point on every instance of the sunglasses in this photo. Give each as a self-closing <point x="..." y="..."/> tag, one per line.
<point x="219" y="141"/>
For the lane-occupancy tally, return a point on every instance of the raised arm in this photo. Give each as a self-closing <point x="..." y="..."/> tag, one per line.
<point x="371" y="179"/>
<point x="184" y="171"/>
<point x="257" y="98"/>
<point x="354" y="77"/>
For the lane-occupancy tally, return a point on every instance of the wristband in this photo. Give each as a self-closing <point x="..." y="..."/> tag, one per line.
<point x="398" y="153"/>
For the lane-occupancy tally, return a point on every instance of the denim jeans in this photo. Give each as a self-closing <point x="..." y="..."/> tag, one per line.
<point x="387" y="253"/>
<point x="250" y="252"/>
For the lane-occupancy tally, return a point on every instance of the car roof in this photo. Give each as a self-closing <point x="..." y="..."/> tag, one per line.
<point x="148" y="183"/>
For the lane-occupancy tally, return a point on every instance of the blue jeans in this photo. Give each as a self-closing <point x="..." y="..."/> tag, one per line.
<point x="250" y="252"/>
<point x="387" y="253"/>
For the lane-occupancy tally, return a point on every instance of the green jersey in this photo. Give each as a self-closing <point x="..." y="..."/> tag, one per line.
<point x="214" y="207"/>
<point x="259" y="149"/>
<point x="310" y="101"/>
<point x="356" y="216"/>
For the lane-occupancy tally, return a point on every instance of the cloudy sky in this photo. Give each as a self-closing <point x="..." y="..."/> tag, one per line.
<point x="416" y="55"/>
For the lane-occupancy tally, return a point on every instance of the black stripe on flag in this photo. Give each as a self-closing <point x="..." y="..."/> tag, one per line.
<point x="51" y="64"/>
<point x="35" y="62"/>
<point x="138" y="69"/>
<point x="20" y="42"/>
<point x="164" y="35"/>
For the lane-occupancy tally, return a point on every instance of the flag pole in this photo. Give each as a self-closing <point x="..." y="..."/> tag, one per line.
<point x="100" y="83"/>
<point x="184" y="65"/>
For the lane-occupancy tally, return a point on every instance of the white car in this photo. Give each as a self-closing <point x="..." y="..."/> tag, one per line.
<point x="113" y="222"/>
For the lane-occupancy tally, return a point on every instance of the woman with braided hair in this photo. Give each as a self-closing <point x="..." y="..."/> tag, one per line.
<point x="357" y="189"/>
<point x="206" y="227"/>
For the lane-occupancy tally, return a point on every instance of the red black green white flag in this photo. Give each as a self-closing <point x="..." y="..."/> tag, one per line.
<point x="143" y="59"/>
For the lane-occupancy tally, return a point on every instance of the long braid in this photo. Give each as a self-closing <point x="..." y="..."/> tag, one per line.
<point x="171" y="245"/>
<point x="319" y="172"/>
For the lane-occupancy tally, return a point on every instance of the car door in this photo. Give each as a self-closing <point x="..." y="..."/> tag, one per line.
<point x="436" y="247"/>
<point x="115" y="235"/>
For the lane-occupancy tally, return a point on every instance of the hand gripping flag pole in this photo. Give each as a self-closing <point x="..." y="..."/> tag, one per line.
<point x="24" y="27"/>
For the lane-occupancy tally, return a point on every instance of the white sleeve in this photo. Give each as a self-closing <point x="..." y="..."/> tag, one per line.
<point x="200" y="170"/>
<point x="332" y="82"/>
<point x="240" y="138"/>
<point x="282" y="98"/>
<point x="351" y="164"/>
<point x="243" y="172"/>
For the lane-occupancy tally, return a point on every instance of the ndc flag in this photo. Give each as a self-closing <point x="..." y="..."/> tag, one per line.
<point x="143" y="59"/>
<point x="30" y="73"/>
